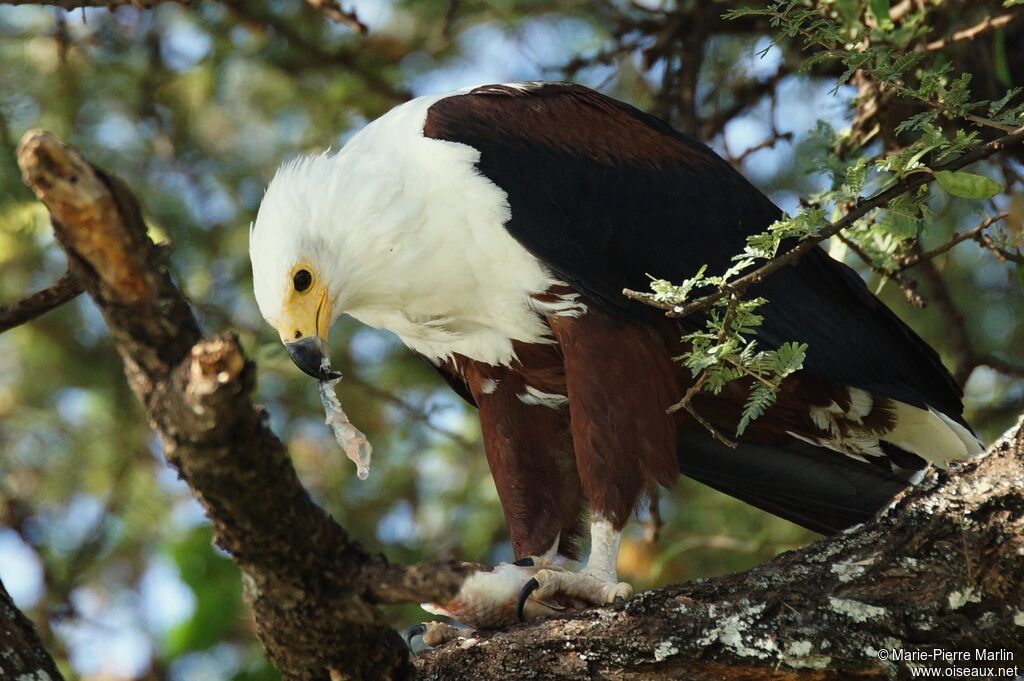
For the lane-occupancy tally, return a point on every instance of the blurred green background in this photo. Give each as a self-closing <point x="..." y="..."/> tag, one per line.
<point x="195" y="107"/>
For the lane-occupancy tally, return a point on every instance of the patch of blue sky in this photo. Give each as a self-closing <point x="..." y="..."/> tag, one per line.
<point x="763" y="61"/>
<point x="69" y="525"/>
<point x="369" y="346"/>
<point x="377" y="15"/>
<point x="73" y="405"/>
<point x="492" y="54"/>
<point x="115" y="131"/>
<point x="27" y="18"/>
<point x="219" y="662"/>
<point x="184" y="44"/>
<point x="186" y="511"/>
<point x="398" y="525"/>
<point x="21" y="110"/>
<point x="981" y="387"/>
<point x="21" y="571"/>
<point x="292" y="125"/>
<point x="436" y="475"/>
<point x="166" y="601"/>
<point x="106" y="639"/>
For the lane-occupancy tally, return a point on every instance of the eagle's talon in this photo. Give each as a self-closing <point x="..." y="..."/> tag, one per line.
<point x="524" y="595"/>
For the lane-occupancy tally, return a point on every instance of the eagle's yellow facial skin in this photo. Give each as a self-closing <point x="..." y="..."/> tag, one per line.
<point x="305" y="313"/>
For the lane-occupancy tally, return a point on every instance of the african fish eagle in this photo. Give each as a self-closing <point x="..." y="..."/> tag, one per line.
<point x="494" y="229"/>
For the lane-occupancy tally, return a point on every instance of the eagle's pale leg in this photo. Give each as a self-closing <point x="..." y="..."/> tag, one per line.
<point x="597" y="584"/>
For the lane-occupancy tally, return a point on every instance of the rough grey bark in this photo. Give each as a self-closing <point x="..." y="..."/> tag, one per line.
<point x="943" y="567"/>
<point x="22" y="655"/>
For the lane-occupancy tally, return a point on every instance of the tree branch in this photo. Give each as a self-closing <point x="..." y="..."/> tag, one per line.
<point x="311" y="586"/>
<point x="39" y="303"/>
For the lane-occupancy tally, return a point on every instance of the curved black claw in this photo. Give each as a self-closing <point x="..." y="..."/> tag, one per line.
<point x="528" y="589"/>
<point x="414" y="631"/>
<point x="524" y="562"/>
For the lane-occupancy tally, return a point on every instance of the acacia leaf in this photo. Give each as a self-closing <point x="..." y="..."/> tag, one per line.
<point x="967" y="185"/>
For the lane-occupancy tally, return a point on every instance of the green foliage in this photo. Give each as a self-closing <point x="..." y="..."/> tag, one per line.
<point x="967" y="185"/>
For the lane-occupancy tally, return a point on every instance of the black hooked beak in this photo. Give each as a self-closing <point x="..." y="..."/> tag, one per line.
<point x="310" y="355"/>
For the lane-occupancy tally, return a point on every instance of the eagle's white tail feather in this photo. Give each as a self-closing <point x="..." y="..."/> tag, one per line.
<point x="931" y="435"/>
<point x="971" y="443"/>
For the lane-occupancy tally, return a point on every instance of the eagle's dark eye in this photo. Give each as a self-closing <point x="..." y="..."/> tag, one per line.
<point x="302" y="280"/>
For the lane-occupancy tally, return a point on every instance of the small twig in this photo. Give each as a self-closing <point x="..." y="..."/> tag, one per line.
<point x="1001" y="254"/>
<point x="907" y="287"/>
<point x="767" y="143"/>
<point x="39" y="303"/>
<point x="988" y="122"/>
<point x="989" y="23"/>
<point x="915" y="258"/>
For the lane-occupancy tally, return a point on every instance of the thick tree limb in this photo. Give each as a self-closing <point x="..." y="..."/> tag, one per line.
<point x="39" y="303"/>
<point x="943" y="567"/>
<point x="22" y="655"/>
<point x="311" y="586"/>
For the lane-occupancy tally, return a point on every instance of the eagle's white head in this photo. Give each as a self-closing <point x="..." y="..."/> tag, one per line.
<point x="401" y="232"/>
<point x="317" y="245"/>
<point x="294" y="278"/>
